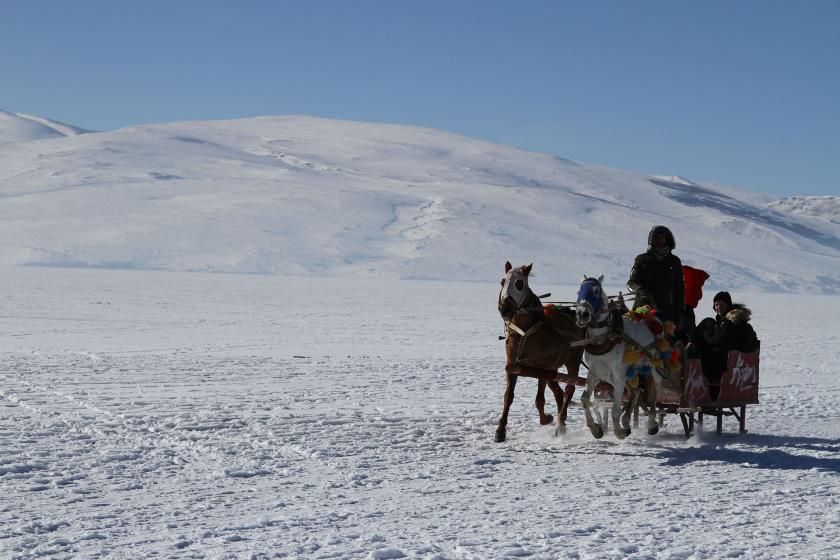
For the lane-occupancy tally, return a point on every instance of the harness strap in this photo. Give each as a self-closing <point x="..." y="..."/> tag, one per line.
<point x="600" y="339"/>
<point x="524" y="337"/>
<point x="536" y="308"/>
<point x="604" y="346"/>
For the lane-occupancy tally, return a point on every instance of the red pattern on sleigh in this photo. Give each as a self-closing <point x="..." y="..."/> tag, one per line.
<point x="738" y="385"/>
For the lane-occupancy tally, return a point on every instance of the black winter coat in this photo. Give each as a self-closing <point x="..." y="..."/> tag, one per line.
<point x="732" y="332"/>
<point x="660" y="283"/>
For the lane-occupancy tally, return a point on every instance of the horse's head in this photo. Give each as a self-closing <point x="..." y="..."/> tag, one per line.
<point x="514" y="290"/>
<point x="591" y="300"/>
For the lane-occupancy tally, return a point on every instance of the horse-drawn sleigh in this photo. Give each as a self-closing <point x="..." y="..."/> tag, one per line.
<point x="540" y="340"/>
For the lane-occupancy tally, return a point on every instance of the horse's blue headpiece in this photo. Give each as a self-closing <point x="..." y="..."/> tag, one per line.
<point x="591" y="292"/>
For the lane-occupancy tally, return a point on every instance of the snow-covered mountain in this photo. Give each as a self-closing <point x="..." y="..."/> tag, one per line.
<point x="825" y="207"/>
<point x="310" y="196"/>
<point x="20" y="127"/>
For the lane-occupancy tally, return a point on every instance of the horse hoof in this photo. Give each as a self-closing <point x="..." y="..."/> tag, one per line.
<point x="597" y="431"/>
<point x="621" y="434"/>
<point x="653" y="431"/>
<point x="546" y="420"/>
<point x="560" y="430"/>
<point x="501" y="435"/>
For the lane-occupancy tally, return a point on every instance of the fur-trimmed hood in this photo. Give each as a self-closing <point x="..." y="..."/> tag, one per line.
<point x="738" y="313"/>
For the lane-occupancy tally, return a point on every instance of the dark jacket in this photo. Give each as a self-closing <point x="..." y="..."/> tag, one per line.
<point x="732" y="332"/>
<point x="659" y="283"/>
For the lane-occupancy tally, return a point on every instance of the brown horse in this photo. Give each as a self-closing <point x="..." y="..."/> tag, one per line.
<point x="536" y="341"/>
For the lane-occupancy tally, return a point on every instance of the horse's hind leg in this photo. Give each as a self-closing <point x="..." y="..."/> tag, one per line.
<point x="501" y="431"/>
<point x="573" y="369"/>
<point x="628" y="410"/>
<point x="561" y="407"/>
<point x="568" y="393"/>
<point x="539" y="402"/>
<point x="652" y="424"/>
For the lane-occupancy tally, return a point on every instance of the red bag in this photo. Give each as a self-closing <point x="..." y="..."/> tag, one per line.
<point x="694" y="279"/>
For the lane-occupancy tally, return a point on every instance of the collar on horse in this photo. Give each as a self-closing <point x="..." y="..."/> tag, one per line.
<point x="600" y="345"/>
<point x="534" y="308"/>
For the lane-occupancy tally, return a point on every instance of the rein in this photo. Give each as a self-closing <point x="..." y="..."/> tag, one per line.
<point x="601" y="345"/>
<point x="620" y="297"/>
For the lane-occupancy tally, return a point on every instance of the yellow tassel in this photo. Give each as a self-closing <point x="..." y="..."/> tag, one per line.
<point x="663" y="345"/>
<point x="631" y="357"/>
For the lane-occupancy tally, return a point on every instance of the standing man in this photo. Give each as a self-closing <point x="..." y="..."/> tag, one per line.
<point x="657" y="276"/>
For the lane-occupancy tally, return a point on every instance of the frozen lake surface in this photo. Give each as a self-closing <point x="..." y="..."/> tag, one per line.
<point x="227" y="416"/>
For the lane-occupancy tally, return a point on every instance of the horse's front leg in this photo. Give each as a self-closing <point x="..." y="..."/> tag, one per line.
<point x="597" y="428"/>
<point x="539" y="402"/>
<point x="627" y="411"/>
<point x="620" y="430"/>
<point x="501" y="431"/>
<point x="561" y="407"/>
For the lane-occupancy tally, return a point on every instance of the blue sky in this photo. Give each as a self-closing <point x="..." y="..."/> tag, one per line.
<point x="741" y="93"/>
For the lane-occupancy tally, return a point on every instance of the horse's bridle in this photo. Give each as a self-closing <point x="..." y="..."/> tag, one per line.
<point x="597" y="317"/>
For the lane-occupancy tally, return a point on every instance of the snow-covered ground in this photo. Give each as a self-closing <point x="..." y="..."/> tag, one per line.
<point x="181" y="415"/>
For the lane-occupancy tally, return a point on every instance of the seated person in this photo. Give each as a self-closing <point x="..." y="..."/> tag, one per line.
<point x="714" y="338"/>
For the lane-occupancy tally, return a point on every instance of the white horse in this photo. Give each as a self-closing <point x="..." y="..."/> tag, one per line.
<point x="593" y="313"/>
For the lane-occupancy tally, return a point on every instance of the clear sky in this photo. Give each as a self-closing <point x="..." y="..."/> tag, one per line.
<point x="743" y="93"/>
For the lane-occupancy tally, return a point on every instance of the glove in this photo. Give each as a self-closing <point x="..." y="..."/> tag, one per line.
<point x="641" y="297"/>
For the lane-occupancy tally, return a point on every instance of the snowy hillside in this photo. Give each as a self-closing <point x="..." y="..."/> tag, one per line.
<point x="825" y="207"/>
<point x="309" y="196"/>
<point x="20" y="127"/>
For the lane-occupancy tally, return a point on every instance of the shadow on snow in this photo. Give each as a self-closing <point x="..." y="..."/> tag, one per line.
<point x="771" y="452"/>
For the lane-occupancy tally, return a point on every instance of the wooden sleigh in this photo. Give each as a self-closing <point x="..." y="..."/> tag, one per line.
<point x="738" y="388"/>
<point x="688" y="393"/>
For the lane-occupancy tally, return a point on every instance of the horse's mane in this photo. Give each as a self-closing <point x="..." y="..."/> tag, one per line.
<point x="565" y="323"/>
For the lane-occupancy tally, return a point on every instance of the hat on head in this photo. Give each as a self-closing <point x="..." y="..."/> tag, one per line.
<point x="669" y="237"/>
<point x="722" y="296"/>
